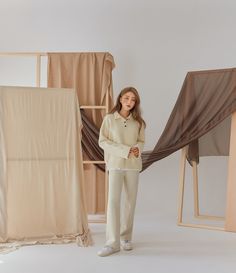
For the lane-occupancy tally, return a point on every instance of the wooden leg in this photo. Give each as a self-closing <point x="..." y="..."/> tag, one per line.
<point x="38" y="70"/>
<point x="195" y="189"/>
<point x="181" y="185"/>
<point x="230" y="224"/>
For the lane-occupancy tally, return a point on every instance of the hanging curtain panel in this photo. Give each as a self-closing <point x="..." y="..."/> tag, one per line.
<point x="41" y="173"/>
<point x="91" y="76"/>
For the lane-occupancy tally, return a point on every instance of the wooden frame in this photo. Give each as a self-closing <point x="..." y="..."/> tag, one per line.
<point x="91" y="218"/>
<point x="196" y="197"/>
<point x="38" y="56"/>
<point x="231" y="176"/>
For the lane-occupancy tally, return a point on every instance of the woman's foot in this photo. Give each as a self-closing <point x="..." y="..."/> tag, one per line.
<point x="107" y="250"/>
<point x="127" y="245"/>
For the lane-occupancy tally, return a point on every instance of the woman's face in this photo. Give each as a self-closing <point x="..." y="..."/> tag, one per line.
<point x="128" y="101"/>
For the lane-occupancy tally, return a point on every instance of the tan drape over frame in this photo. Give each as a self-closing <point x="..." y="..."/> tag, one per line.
<point x="41" y="178"/>
<point x="91" y="75"/>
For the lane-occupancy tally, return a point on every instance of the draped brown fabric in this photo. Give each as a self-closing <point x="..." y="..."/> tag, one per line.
<point x="201" y="119"/>
<point x="91" y="75"/>
<point x="90" y="136"/>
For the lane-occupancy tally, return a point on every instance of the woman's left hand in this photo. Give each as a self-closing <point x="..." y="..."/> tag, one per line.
<point x="135" y="151"/>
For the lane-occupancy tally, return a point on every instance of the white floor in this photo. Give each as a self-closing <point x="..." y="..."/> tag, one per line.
<point x="160" y="246"/>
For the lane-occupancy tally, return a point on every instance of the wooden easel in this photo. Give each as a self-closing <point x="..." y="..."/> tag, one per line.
<point x="231" y="180"/>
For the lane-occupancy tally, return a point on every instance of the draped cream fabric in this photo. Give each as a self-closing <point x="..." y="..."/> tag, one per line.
<point x="91" y="75"/>
<point x="41" y="175"/>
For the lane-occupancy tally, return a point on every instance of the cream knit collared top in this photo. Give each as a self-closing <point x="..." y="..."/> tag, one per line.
<point x="117" y="136"/>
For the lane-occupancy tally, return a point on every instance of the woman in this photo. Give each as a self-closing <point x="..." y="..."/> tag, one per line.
<point x="122" y="139"/>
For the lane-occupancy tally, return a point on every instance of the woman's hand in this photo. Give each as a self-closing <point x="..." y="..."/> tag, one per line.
<point x="134" y="151"/>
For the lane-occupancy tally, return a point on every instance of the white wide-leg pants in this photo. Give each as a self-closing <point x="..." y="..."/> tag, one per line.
<point x="116" y="229"/>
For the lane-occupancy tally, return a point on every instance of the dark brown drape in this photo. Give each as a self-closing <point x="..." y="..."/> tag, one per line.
<point x="201" y="119"/>
<point x="90" y="135"/>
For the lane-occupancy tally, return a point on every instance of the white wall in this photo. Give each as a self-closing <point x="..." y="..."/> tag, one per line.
<point x="154" y="43"/>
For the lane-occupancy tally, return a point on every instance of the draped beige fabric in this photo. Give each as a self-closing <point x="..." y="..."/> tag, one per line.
<point x="41" y="178"/>
<point x="91" y="75"/>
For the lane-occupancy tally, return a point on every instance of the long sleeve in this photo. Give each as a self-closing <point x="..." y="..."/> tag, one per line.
<point x="111" y="147"/>
<point x="141" y="140"/>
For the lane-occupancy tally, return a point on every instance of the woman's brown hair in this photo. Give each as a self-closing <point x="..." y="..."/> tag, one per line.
<point x="136" y="111"/>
